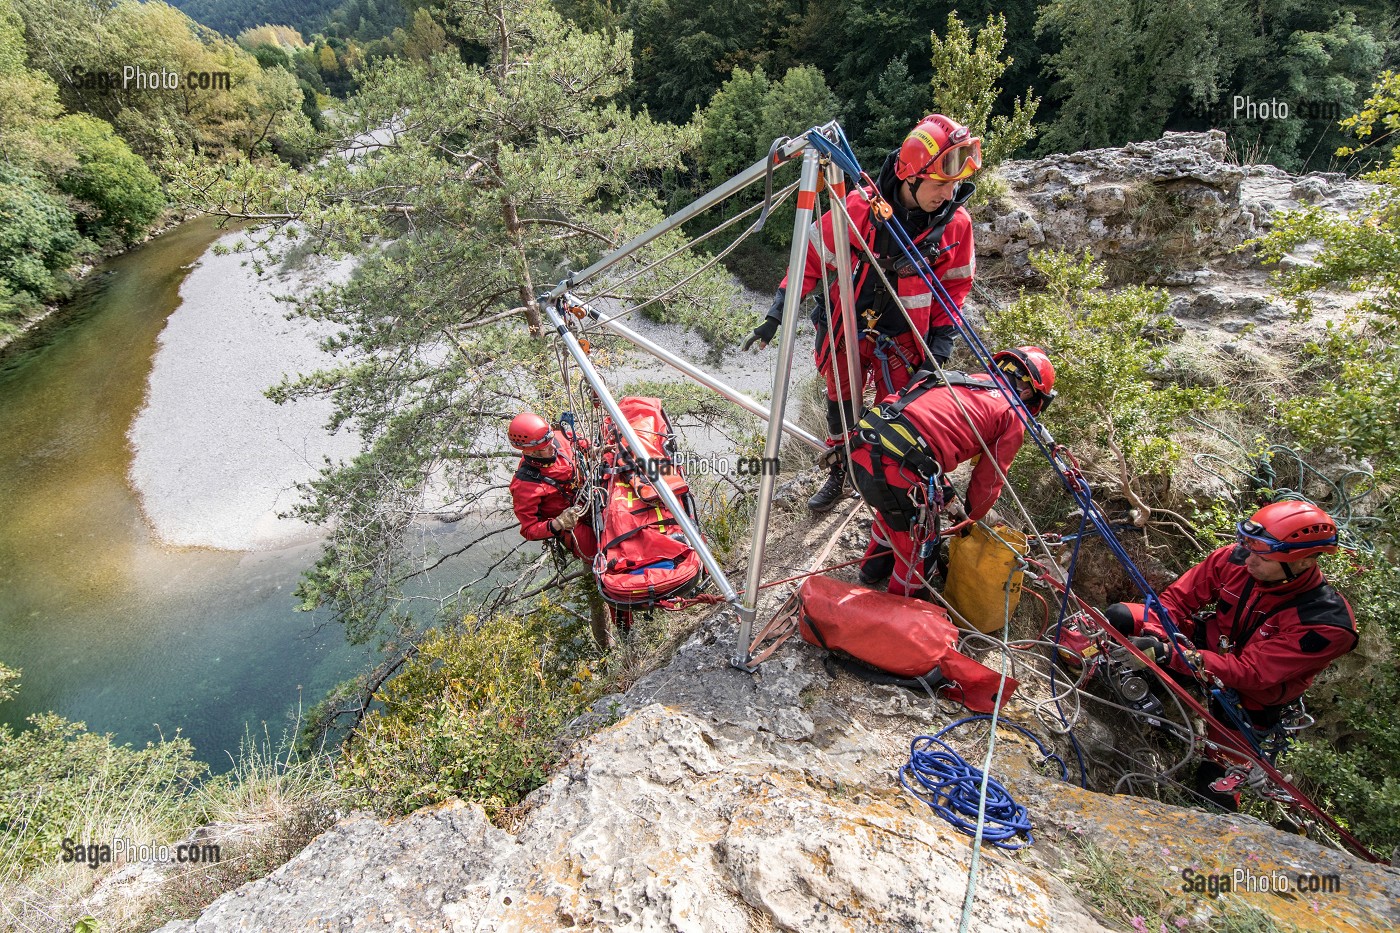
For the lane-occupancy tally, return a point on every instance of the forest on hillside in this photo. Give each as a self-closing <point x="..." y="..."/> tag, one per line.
<point x="1107" y="72"/>
<point x="1094" y="74"/>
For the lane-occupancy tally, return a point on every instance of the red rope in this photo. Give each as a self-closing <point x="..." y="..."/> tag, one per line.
<point x="1241" y="747"/>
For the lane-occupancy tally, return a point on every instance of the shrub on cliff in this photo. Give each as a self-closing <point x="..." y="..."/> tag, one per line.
<point x="58" y="781"/>
<point x="474" y="714"/>
<point x="1118" y="412"/>
<point x="1352" y="404"/>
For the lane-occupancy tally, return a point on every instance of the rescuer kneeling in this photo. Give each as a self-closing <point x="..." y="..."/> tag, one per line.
<point x="1276" y="624"/>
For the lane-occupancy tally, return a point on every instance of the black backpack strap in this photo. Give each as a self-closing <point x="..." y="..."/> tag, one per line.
<point x="895" y="505"/>
<point x="893" y="436"/>
<point x="531" y="474"/>
<point x="927" y="379"/>
<point x="928" y="683"/>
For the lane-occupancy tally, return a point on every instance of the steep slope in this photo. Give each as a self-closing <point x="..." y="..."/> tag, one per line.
<point x="723" y="800"/>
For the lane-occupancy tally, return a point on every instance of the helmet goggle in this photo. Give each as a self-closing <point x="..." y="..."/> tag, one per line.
<point x="1256" y="540"/>
<point x="961" y="160"/>
<point x="545" y="449"/>
<point x="1018" y="378"/>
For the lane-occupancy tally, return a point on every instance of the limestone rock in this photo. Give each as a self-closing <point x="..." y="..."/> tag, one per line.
<point x="1172" y="201"/>
<point x="366" y="875"/>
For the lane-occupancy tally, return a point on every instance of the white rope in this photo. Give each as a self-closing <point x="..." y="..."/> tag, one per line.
<point x="753" y="228"/>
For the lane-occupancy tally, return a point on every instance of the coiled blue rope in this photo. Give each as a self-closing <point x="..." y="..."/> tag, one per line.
<point x="953" y="788"/>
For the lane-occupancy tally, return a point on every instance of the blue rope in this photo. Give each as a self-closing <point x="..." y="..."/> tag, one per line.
<point x="838" y="151"/>
<point x="952" y="787"/>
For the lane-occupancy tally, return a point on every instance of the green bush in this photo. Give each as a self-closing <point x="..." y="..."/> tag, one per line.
<point x="967" y="71"/>
<point x="1116" y="410"/>
<point x="57" y="781"/>
<point x="38" y="237"/>
<point x="474" y="714"/>
<point x="118" y="195"/>
<point x="1353" y="407"/>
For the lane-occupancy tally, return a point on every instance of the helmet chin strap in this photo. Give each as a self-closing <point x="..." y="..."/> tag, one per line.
<point x="1289" y="575"/>
<point x="914" y="189"/>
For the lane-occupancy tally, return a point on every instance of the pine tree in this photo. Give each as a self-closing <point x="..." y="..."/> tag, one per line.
<point x="488" y="179"/>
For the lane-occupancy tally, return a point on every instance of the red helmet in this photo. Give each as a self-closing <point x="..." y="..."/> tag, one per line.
<point x="939" y="149"/>
<point x="1288" y="531"/>
<point x="1029" y="364"/>
<point x="530" y="434"/>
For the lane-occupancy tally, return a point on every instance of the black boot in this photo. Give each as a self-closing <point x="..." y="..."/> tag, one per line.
<point x="876" y="570"/>
<point x="832" y="491"/>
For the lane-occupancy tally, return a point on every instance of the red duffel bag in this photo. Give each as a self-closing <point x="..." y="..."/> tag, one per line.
<point x="912" y="640"/>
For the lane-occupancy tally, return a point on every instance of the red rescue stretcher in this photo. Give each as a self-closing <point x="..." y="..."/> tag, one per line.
<point x="643" y="556"/>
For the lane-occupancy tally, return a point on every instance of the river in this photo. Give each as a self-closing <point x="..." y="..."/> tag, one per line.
<point x="168" y="607"/>
<point x="109" y="625"/>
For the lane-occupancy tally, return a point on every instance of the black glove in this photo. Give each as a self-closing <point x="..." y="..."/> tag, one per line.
<point x="763" y="334"/>
<point x="1155" y="648"/>
<point x="775" y="310"/>
<point x="951" y="504"/>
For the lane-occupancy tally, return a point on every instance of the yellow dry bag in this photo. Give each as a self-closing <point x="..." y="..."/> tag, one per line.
<point x="979" y="566"/>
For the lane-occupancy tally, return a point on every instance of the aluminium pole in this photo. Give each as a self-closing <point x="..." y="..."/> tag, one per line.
<point x="782" y="373"/>
<point x="748" y="176"/>
<point x="634" y="443"/>
<point x="699" y="375"/>
<point x="841" y="243"/>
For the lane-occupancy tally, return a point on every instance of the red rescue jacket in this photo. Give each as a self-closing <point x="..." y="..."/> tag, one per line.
<point x="540" y="493"/>
<point x="1276" y="638"/>
<point x="954" y="268"/>
<point x="937" y="418"/>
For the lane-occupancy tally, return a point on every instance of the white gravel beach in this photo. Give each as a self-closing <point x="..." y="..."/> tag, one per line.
<point x="213" y="460"/>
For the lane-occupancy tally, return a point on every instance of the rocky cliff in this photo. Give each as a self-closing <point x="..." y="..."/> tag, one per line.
<point x="710" y="799"/>
<point x="723" y="800"/>
<point x="707" y="798"/>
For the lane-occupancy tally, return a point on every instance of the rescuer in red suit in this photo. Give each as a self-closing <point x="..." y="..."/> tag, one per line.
<point x="1276" y="624"/>
<point x="544" y="490"/>
<point x="925" y="184"/>
<point x="893" y="473"/>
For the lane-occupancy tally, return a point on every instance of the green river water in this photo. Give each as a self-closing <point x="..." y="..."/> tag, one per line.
<point x="108" y="626"/>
